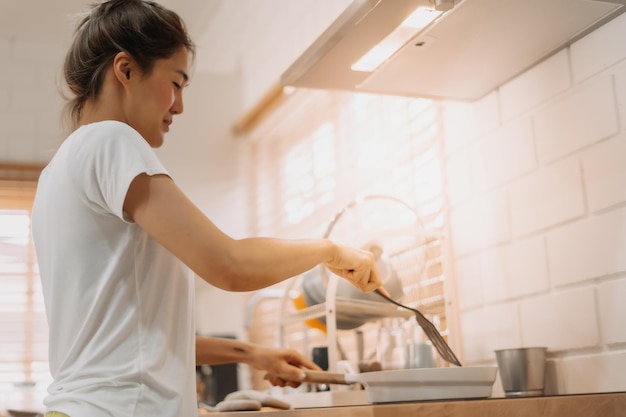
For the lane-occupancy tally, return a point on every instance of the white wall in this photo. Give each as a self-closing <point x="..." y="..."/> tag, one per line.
<point x="260" y="39"/>
<point x="30" y="103"/>
<point x="537" y="179"/>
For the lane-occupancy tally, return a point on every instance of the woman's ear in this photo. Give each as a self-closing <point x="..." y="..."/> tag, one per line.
<point x="123" y="67"/>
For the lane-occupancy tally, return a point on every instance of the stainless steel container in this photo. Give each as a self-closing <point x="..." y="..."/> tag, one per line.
<point x="522" y="371"/>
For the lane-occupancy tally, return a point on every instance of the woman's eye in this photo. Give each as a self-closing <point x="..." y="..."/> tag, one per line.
<point x="176" y="85"/>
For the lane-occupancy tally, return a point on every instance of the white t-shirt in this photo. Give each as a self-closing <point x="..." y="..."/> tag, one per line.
<point x="119" y="305"/>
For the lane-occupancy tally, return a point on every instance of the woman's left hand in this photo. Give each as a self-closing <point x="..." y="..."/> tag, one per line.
<point x="287" y="363"/>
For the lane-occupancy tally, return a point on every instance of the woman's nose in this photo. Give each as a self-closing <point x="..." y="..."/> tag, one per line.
<point x="177" y="106"/>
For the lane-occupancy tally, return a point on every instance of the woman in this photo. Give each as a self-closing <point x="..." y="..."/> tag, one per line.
<point x="111" y="229"/>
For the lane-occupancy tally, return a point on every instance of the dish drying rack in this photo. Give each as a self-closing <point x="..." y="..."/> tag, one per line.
<point x="332" y="311"/>
<point x="335" y="308"/>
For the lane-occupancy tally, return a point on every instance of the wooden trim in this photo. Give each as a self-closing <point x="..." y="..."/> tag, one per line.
<point x="13" y="171"/>
<point x="268" y="103"/>
<point x="12" y="166"/>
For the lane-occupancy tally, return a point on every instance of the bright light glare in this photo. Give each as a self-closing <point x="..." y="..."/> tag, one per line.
<point x="418" y="20"/>
<point x="14" y="225"/>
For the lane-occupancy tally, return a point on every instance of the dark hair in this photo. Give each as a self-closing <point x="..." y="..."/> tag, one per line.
<point x="144" y="29"/>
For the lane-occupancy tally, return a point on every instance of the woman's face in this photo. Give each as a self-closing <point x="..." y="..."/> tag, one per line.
<point x="157" y="97"/>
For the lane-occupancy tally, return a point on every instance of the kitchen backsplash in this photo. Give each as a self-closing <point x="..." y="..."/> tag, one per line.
<point x="536" y="179"/>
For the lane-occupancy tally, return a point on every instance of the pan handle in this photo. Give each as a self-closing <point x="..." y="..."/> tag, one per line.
<point x="322" y="377"/>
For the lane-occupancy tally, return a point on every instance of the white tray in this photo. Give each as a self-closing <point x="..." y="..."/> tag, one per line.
<point x="428" y="383"/>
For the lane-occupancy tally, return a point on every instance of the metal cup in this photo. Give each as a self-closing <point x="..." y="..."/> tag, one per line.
<point x="522" y="371"/>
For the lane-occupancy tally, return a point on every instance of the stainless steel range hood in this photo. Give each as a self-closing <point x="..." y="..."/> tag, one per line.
<point x="465" y="53"/>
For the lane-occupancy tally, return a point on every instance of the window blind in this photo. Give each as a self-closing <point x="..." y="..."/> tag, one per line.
<point x="355" y="145"/>
<point x="23" y="324"/>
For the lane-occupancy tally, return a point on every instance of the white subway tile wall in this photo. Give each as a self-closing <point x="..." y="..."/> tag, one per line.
<point x="611" y="305"/>
<point x="581" y="118"/>
<point x="480" y="222"/>
<point x="535" y="86"/>
<point x="536" y="182"/>
<point x="602" y="372"/>
<point x="488" y="328"/>
<point x="598" y="50"/>
<point x="538" y="214"/>
<point x="550" y="195"/>
<point x="605" y="173"/>
<point x="504" y="155"/>
<point x="560" y="320"/>
<point x="527" y="267"/>
<point x="587" y="249"/>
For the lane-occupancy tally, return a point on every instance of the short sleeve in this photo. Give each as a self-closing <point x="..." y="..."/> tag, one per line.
<point x="112" y="155"/>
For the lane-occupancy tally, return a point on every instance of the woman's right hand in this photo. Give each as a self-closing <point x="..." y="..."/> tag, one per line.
<point x="357" y="266"/>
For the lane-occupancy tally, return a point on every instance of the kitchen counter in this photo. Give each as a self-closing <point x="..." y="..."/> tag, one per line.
<point x="583" y="405"/>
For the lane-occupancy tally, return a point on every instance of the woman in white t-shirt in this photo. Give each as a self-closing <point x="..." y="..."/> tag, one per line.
<point x="118" y="243"/>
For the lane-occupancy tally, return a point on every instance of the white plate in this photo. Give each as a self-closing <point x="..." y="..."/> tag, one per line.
<point x="427" y="383"/>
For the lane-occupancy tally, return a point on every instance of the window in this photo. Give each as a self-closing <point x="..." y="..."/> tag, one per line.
<point x="23" y="324"/>
<point x="361" y="144"/>
<point x="307" y="174"/>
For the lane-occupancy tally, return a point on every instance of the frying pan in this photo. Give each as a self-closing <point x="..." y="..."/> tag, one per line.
<point x="418" y="384"/>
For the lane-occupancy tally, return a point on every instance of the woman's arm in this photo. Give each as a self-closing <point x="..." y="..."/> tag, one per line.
<point x="284" y="362"/>
<point x="158" y="206"/>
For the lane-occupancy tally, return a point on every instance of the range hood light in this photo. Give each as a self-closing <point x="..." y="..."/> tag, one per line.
<point x="410" y="27"/>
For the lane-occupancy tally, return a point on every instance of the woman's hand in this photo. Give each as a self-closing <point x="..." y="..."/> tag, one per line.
<point x="287" y="363"/>
<point x="357" y="266"/>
